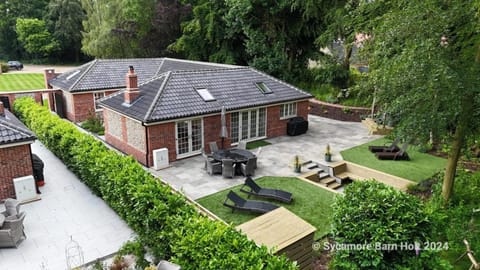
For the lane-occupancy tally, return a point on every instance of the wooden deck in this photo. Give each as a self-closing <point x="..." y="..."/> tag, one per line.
<point x="285" y="233"/>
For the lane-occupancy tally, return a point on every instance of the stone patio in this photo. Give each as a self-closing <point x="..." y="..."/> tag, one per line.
<point x="189" y="177"/>
<point x="67" y="209"/>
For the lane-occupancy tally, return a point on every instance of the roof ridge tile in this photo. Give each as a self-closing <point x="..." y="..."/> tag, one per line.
<point x="157" y="96"/>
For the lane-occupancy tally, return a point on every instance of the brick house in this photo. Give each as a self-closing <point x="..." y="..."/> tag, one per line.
<point x="180" y="110"/>
<point x="82" y="87"/>
<point x="15" y="152"/>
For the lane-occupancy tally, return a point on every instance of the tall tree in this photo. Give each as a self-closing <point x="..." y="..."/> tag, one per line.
<point x="279" y="35"/>
<point x="9" y="12"/>
<point x="64" y="19"/>
<point x="425" y="68"/>
<point x="205" y="35"/>
<point x="35" y="38"/>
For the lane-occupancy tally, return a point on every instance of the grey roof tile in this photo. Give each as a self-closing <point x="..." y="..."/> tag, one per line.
<point x="110" y="73"/>
<point x="173" y="94"/>
<point x="13" y="131"/>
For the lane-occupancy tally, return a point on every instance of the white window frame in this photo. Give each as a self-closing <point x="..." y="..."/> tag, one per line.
<point x="288" y="110"/>
<point x="190" y="142"/>
<point x="96" y="98"/>
<point x="249" y="125"/>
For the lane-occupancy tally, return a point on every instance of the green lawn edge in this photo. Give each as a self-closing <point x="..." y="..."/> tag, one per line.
<point x="421" y="166"/>
<point x="21" y="82"/>
<point x="311" y="203"/>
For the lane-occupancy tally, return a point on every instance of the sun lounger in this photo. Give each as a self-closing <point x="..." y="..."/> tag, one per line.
<point x="252" y="188"/>
<point x="391" y="148"/>
<point x="240" y="203"/>
<point x="400" y="155"/>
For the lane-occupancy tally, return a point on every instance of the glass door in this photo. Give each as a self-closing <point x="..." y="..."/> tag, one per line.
<point x="189" y="137"/>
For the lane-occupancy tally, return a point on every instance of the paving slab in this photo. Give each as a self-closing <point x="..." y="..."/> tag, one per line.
<point x="67" y="210"/>
<point x="189" y="177"/>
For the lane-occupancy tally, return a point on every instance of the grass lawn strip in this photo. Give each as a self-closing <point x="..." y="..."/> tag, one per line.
<point x="311" y="203"/>
<point x="21" y="81"/>
<point x="420" y="167"/>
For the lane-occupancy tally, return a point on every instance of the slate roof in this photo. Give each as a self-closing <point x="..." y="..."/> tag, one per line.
<point x="13" y="131"/>
<point x="103" y="74"/>
<point x="173" y="94"/>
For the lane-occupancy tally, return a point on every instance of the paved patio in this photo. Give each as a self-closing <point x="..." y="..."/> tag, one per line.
<point x="67" y="209"/>
<point x="188" y="176"/>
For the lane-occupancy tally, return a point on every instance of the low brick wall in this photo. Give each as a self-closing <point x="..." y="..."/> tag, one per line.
<point x="337" y="112"/>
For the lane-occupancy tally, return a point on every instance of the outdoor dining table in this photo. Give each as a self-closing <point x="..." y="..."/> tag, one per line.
<point x="237" y="155"/>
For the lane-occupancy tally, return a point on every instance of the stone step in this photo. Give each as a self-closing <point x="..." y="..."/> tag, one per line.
<point x="334" y="185"/>
<point x="322" y="175"/>
<point x="327" y="181"/>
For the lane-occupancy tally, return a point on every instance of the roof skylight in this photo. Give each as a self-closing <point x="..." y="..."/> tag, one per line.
<point x="73" y="75"/>
<point x="205" y="94"/>
<point x="263" y="88"/>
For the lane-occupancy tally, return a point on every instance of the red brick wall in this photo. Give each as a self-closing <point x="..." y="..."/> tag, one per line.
<point x="36" y="95"/>
<point x="15" y="162"/>
<point x="83" y="105"/>
<point x="337" y="112"/>
<point x="161" y="136"/>
<point x="278" y="127"/>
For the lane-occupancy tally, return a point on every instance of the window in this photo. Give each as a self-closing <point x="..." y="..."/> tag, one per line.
<point x="263" y="88"/>
<point x="205" y="94"/>
<point x="247" y="125"/>
<point x="288" y="110"/>
<point x="97" y="96"/>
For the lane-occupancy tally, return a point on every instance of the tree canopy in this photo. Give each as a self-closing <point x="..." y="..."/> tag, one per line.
<point x="424" y="69"/>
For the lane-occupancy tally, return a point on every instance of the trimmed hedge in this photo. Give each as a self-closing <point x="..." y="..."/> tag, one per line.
<point x="168" y="226"/>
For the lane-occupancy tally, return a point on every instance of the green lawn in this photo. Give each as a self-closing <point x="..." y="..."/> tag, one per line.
<point x="256" y="144"/>
<point x="313" y="204"/>
<point x="420" y="167"/>
<point x="21" y="81"/>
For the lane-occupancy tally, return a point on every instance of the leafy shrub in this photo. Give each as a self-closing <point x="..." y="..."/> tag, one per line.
<point x="165" y="224"/>
<point x="94" y="124"/>
<point x="372" y="213"/>
<point x="4" y="67"/>
<point x="461" y="217"/>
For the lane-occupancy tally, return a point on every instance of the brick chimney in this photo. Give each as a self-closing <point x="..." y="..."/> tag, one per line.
<point x="2" y="109"/>
<point x="48" y="74"/>
<point x="131" y="92"/>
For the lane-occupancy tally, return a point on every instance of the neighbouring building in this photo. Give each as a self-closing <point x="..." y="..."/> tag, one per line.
<point x="15" y="152"/>
<point x="81" y="88"/>
<point x="181" y="109"/>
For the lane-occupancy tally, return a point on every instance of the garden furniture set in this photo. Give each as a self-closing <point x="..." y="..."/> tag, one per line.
<point x="230" y="162"/>
<point x="391" y="152"/>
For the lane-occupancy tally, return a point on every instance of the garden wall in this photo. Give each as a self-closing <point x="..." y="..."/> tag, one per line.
<point x="338" y="112"/>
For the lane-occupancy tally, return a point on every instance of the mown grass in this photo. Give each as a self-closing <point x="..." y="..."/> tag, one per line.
<point x="21" y="81"/>
<point x="420" y="167"/>
<point x="311" y="203"/>
<point x="256" y="144"/>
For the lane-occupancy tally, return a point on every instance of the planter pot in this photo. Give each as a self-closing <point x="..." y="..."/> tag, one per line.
<point x="297" y="169"/>
<point x="328" y="157"/>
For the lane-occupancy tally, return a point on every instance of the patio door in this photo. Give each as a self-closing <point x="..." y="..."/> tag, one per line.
<point x="248" y="125"/>
<point x="189" y="137"/>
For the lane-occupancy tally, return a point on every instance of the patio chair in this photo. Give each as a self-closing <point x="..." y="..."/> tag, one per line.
<point x="242" y="145"/>
<point x="228" y="168"/>
<point x="257" y="154"/>
<point x="12" y="231"/>
<point x="248" y="169"/>
<point x="213" y="147"/>
<point x="252" y="188"/>
<point x="393" y="147"/>
<point x="206" y="157"/>
<point x="213" y="167"/>
<point x="400" y="155"/>
<point x="240" y="203"/>
<point x="12" y="207"/>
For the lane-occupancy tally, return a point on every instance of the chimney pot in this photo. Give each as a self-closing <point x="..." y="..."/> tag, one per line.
<point x="131" y="92"/>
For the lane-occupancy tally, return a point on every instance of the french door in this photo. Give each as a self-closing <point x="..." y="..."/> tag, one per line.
<point x="248" y="125"/>
<point x="189" y="137"/>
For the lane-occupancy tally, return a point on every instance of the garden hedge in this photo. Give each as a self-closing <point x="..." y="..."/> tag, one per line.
<point x="165" y="223"/>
